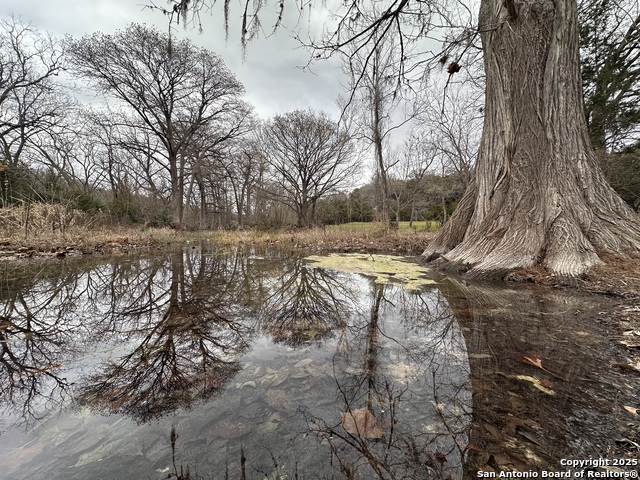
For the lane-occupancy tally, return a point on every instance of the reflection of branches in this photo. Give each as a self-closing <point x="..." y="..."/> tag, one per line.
<point x="186" y="355"/>
<point x="403" y="451"/>
<point x="399" y="386"/>
<point x="179" y="361"/>
<point x="307" y="305"/>
<point x="179" y="312"/>
<point x="35" y="334"/>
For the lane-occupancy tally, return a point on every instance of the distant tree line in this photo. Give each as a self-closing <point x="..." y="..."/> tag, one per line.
<point x="167" y="139"/>
<point x="171" y="142"/>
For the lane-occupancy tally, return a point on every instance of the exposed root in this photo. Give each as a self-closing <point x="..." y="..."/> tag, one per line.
<point x="563" y="248"/>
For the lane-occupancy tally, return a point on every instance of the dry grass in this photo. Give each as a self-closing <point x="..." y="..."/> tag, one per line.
<point x="372" y="238"/>
<point x="48" y="229"/>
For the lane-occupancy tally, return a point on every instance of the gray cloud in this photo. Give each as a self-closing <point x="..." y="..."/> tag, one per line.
<point x="270" y="72"/>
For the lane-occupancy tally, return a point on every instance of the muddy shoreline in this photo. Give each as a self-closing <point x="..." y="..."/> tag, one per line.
<point x="618" y="277"/>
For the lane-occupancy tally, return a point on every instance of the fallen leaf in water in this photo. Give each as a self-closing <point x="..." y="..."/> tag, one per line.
<point x="532" y="437"/>
<point x="233" y="428"/>
<point x="304" y="363"/>
<point x="535" y="361"/>
<point x="494" y="431"/>
<point x="535" y="382"/>
<point x="361" y="422"/>
<point x="280" y="377"/>
<point x="513" y="424"/>
<point x="401" y="371"/>
<point x="546" y="383"/>
<point x="275" y="398"/>
<point x="632" y="410"/>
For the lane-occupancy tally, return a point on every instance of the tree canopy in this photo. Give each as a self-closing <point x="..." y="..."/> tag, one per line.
<point x="173" y="91"/>
<point x="310" y="157"/>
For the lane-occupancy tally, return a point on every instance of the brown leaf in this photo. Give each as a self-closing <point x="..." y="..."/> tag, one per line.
<point x="632" y="410"/>
<point x="361" y="422"/>
<point x="535" y="361"/>
<point x="626" y="366"/>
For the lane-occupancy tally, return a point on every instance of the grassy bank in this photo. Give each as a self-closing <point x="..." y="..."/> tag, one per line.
<point x="41" y="229"/>
<point x="359" y="237"/>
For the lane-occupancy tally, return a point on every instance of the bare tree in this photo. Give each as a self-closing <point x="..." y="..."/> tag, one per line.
<point x="538" y="196"/>
<point x="310" y="157"/>
<point x="417" y="158"/>
<point x="243" y="168"/>
<point x="31" y="102"/>
<point x="173" y="89"/>
<point x="111" y="158"/>
<point x="377" y="99"/>
<point x="450" y="123"/>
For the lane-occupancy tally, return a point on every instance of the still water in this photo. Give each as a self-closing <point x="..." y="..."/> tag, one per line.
<point x="213" y="364"/>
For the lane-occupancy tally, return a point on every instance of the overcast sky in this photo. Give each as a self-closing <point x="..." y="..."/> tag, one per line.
<point x="270" y="72"/>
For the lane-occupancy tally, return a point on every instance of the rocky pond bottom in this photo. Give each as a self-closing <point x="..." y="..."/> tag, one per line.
<point x="252" y="365"/>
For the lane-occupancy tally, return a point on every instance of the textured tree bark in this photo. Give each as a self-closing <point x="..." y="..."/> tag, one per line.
<point x="538" y="196"/>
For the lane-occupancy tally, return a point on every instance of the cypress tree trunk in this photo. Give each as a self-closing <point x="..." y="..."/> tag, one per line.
<point x="538" y="196"/>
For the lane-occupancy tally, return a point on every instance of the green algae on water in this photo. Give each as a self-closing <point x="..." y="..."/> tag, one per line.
<point x="385" y="268"/>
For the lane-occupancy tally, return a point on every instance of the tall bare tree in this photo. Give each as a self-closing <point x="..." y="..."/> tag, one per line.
<point x="31" y="101"/>
<point x="172" y="88"/>
<point x="376" y="100"/>
<point x="310" y="157"/>
<point x="243" y="168"/>
<point x="538" y="196"/>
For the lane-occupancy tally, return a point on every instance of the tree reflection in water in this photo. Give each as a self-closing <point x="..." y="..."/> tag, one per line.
<point x="517" y="425"/>
<point x="183" y="319"/>
<point x="184" y="339"/>
<point x="305" y="305"/>
<point x="403" y="383"/>
<point x="38" y="333"/>
<point x="383" y="375"/>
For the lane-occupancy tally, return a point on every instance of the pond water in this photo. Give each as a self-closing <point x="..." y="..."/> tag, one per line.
<point x="202" y="363"/>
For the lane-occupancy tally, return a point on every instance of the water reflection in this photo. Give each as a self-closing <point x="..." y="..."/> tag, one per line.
<point x="305" y="304"/>
<point x="542" y="381"/>
<point x="38" y="326"/>
<point x="183" y="342"/>
<point x="403" y="388"/>
<point x="263" y="367"/>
